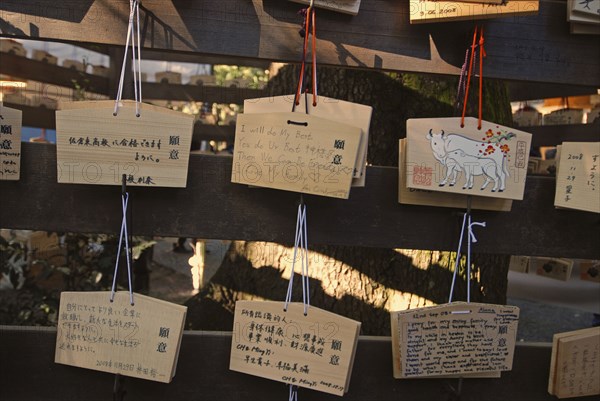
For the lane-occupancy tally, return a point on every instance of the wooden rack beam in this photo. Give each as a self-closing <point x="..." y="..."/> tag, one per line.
<point x="26" y="68"/>
<point x="545" y="135"/>
<point x="212" y="207"/>
<point x="534" y="48"/>
<point x="206" y="355"/>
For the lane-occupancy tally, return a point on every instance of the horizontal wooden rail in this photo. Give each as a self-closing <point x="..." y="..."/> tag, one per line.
<point x="34" y="70"/>
<point x="212" y="207"/>
<point x="545" y="135"/>
<point x="532" y="48"/>
<point x="29" y="373"/>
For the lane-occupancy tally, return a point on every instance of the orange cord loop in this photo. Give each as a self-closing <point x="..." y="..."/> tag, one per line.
<point x="310" y="29"/>
<point x="482" y="54"/>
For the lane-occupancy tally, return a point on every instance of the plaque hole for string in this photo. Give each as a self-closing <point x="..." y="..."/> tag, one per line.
<point x="305" y="124"/>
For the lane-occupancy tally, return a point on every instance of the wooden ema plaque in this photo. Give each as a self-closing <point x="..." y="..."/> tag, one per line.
<point x="10" y="143"/>
<point x="490" y="162"/>
<point x="453" y="339"/>
<point x="585" y="8"/>
<point x="138" y="341"/>
<point x="575" y="364"/>
<point x="341" y="111"/>
<point x="558" y="269"/>
<point x="343" y="6"/>
<point x="315" y="351"/>
<point x="95" y="147"/>
<point x="412" y="196"/>
<point x="578" y="176"/>
<point x="295" y="152"/>
<point x="422" y="11"/>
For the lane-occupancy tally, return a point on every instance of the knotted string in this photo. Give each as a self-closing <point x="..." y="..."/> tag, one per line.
<point x="123" y="234"/>
<point x="133" y="30"/>
<point x="300" y="242"/>
<point x="470" y="239"/>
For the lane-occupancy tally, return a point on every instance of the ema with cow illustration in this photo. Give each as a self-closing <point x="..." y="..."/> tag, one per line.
<point x="489" y="161"/>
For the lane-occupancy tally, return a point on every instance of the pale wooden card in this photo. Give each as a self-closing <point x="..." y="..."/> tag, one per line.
<point x="589" y="8"/>
<point x="295" y="152"/>
<point x="578" y="176"/>
<point x="95" y="147"/>
<point x="556" y="268"/>
<point x="442" y="156"/>
<point x="575" y="363"/>
<point x="453" y="339"/>
<point x="519" y="264"/>
<point x="412" y="196"/>
<point x="564" y="117"/>
<point x="342" y="6"/>
<point x="315" y="351"/>
<point x="10" y="143"/>
<point x="423" y="11"/>
<point x="589" y="270"/>
<point x="138" y="341"/>
<point x="355" y="114"/>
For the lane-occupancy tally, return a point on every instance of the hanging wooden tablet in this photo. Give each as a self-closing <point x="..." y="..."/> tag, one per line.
<point x="95" y="147"/>
<point x="589" y="270"/>
<point x="412" y="196"/>
<point x="519" y="264"/>
<point x="575" y="364"/>
<point x="342" y="6"/>
<point x="139" y="341"/>
<point x="10" y="143"/>
<point x="453" y="339"/>
<point x="358" y="115"/>
<point x="295" y="152"/>
<point x="490" y="162"/>
<point x="578" y="176"/>
<point x="590" y="8"/>
<point x="422" y="11"/>
<point x="556" y="268"/>
<point x="315" y="351"/>
<point x="564" y="117"/>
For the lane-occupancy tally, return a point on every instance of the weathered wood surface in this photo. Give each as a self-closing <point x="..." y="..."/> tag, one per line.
<point x="212" y="207"/>
<point x="28" y="372"/>
<point x="548" y="135"/>
<point x="24" y="68"/>
<point x="534" y="48"/>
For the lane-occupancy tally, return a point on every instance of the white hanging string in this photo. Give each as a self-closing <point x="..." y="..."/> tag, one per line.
<point x="305" y="283"/>
<point x="456" y="262"/>
<point x="293" y="393"/>
<point x="123" y="234"/>
<point x="470" y="239"/>
<point x="132" y="29"/>
<point x="300" y="240"/>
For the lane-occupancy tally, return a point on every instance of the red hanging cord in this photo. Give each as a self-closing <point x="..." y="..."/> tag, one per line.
<point x="309" y="26"/>
<point x="303" y="64"/>
<point x="314" y="58"/>
<point x="473" y="46"/>
<point x="482" y="54"/>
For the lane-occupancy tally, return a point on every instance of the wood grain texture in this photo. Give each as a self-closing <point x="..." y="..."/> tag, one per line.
<point x="95" y="146"/>
<point x="313" y="351"/>
<point x="269" y="30"/>
<point x="212" y="207"/>
<point x="138" y="340"/>
<point x="203" y="374"/>
<point x="25" y="68"/>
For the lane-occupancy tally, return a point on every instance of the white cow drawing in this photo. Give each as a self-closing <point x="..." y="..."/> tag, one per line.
<point x="442" y="145"/>
<point x="474" y="166"/>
